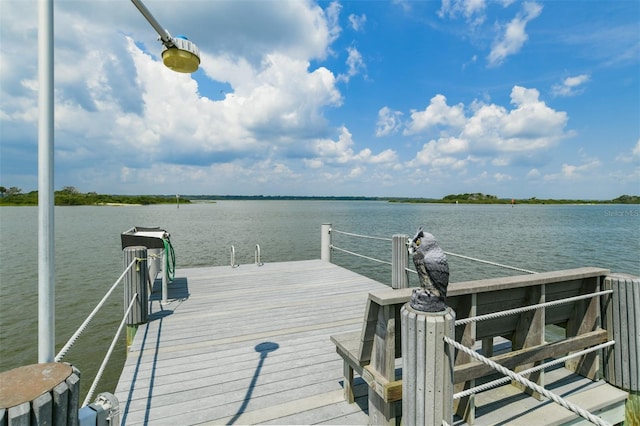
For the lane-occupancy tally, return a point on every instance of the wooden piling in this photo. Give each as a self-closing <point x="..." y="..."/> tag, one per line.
<point x="135" y="282"/>
<point x="621" y="317"/>
<point x="427" y="367"/>
<point x="40" y="394"/>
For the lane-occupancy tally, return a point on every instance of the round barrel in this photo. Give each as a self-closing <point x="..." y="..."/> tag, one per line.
<point x="46" y="393"/>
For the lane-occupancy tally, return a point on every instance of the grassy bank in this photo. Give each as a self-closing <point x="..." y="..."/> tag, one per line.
<point x="68" y="198"/>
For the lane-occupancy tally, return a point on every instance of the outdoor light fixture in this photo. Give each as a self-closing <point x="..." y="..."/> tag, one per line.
<point x="178" y="53"/>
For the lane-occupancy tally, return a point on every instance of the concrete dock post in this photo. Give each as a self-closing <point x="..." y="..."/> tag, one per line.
<point x="325" y="242"/>
<point x="135" y="281"/>
<point x="427" y="367"/>
<point x="621" y="317"/>
<point x="399" y="261"/>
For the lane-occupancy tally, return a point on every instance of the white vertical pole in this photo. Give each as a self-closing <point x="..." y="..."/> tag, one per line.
<point x="325" y="242"/>
<point x="46" y="279"/>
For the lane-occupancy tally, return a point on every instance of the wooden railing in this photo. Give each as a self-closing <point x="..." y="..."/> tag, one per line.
<point x="580" y="320"/>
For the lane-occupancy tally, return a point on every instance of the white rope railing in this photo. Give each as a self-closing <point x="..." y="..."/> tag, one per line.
<point x="360" y="255"/>
<point x="528" y="383"/>
<point x="498" y="382"/>
<point x="514" y="311"/>
<point x="93" y="313"/>
<point x="359" y="235"/>
<point x="109" y="352"/>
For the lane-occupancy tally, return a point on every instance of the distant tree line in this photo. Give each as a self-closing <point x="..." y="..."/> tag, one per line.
<point x="479" y="198"/>
<point x="70" y="196"/>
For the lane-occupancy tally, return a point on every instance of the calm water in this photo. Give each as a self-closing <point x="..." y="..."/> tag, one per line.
<point x="88" y="254"/>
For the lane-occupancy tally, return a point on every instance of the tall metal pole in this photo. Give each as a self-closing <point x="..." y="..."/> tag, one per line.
<point x="46" y="281"/>
<point x="162" y="32"/>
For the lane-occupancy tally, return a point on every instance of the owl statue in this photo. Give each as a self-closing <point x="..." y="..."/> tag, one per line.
<point x="433" y="272"/>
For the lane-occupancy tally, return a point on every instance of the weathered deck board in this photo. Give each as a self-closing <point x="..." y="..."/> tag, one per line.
<point x="198" y="359"/>
<point x="252" y="345"/>
<point x="508" y="405"/>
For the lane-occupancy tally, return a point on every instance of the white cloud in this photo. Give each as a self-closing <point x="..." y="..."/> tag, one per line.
<point x="332" y="14"/>
<point x="117" y="103"/>
<point x="513" y="37"/>
<point x="405" y="5"/>
<point x="630" y="156"/>
<point x="533" y="173"/>
<point x="472" y="10"/>
<point x="436" y="154"/>
<point x="314" y="163"/>
<point x="570" y="86"/>
<point x="501" y="177"/>
<point x="341" y="152"/>
<point x="490" y="131"/>
<point x="388" y="121"/>
<point x="357" y="22"/>
<point x="355" y="65"/>
<point x="438" y="113"/>
<point x="571" y="172"/>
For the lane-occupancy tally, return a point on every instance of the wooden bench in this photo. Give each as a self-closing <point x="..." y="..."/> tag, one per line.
<point x="372" y="351"/>
<point x="348" y="347"/>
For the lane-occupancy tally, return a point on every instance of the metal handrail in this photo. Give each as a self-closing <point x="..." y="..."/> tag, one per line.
<point x="233" y="257"/>
<point x="257" y="256"/>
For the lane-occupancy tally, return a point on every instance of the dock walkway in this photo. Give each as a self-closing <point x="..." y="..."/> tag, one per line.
<point x="251" y="345"/>
<point x="246" y="345"/>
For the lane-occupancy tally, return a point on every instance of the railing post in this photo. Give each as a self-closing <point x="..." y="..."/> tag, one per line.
<point x="427" y="366"/>
<point x="135" y="281"/>
<point x="399" y="261"/>
<point x="325" y="242"/>
<point x="165" y="277"/>
<point x="621" y="317"/>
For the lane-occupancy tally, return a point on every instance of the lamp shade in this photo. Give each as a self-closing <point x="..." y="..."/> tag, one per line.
<point x="183" y="56"/>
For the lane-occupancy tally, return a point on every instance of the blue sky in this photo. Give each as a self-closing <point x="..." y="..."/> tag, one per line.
<point x="375" y="98"/>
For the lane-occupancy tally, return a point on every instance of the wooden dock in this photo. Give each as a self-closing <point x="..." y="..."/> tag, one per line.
<point x="252" y="345"/>
<point x="246" y="345"/>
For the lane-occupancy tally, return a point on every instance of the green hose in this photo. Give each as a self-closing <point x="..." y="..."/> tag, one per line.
<point x="170" y="258"/>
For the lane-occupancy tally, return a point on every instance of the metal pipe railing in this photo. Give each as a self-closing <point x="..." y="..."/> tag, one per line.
<point x="233" y="257"/>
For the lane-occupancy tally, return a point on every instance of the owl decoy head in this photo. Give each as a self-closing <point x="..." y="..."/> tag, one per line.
<point x="414" y="243"/>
